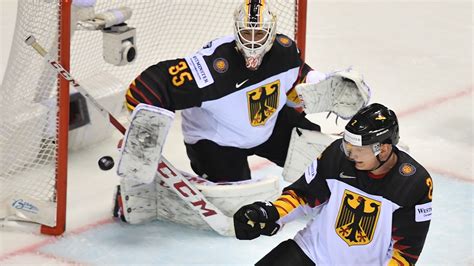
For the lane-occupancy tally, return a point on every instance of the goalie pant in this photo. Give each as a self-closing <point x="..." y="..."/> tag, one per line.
<point x="393" y="213"/>
<point x="223" y="102"/>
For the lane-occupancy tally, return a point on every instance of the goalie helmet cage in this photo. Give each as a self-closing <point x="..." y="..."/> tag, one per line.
<point x="34" y="140"/>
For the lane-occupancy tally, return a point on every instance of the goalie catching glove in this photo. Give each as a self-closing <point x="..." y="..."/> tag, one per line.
<point x="342" y="92"/>
<point x="253" y="220"/>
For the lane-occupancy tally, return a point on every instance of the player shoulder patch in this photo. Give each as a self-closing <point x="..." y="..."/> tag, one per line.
<point x="199" y="69"/>
<point x="407" y="169"/>
<point x="284" y="41"/>
<point x="220" y="65"/>
<point x="311" y="171"/>
<point x="423" y="212"/>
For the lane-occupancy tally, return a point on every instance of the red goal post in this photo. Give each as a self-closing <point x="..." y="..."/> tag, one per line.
<point x="34" y="141"/>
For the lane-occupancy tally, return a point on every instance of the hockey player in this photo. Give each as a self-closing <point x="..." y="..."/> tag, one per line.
<point x="372" y="202"/>
<point x="237" y="95"/>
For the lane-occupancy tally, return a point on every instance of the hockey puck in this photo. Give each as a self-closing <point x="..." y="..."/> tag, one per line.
<point x="106" y="163"/>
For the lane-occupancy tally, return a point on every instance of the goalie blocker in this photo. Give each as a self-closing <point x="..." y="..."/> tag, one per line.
<point x="143" y="143"/>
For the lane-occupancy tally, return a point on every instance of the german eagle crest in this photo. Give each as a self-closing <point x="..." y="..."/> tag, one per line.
<point x="263" y="103"/>
<point x="357" y="218"/>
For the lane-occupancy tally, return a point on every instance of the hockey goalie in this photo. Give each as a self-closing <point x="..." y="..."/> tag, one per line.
<point x="240" y="95"/>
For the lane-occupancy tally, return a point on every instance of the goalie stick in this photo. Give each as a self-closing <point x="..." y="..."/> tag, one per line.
<point x="213" y="216"/>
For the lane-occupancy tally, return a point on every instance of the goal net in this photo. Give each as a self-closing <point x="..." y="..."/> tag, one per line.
<point x="34" y="134"/>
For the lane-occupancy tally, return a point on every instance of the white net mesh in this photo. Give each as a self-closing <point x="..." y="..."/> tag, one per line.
<point x="29" y="95"/>
<point x="165" y="29"/>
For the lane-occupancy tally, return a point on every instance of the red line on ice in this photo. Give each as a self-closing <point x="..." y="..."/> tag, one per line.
<point x="435" y="102"/>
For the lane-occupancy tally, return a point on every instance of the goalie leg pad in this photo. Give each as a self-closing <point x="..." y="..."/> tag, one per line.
<point x="138" y="201"/>
<point x="170" y="207"/>
<point x="228" y="198"/>
<point x="343" y="93"/>
<point x="143" y="143"/>
<point x="305" y="146"/>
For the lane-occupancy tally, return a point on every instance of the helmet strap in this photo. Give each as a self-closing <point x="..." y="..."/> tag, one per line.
<point x="382" y="162"/>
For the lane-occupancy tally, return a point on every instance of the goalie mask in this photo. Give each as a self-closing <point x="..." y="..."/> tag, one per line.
<point x="372" y="126"/>
<point x="255" y="30"/>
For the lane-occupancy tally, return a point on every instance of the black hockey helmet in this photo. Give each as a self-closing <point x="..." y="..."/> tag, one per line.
<point x="372" y="124"/>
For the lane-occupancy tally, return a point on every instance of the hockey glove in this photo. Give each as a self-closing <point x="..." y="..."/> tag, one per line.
<point x="343" y="93"/>
<point x="253" y="220"/>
